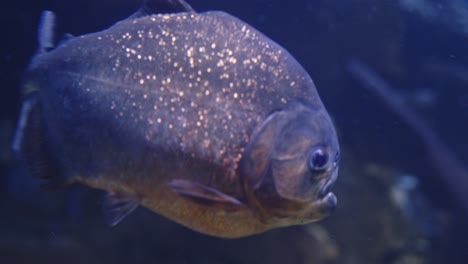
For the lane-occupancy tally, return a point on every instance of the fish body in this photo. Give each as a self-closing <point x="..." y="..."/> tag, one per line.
<point x="196" y="116"/>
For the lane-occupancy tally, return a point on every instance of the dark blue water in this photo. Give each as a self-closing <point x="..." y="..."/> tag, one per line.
<point x="399" y="201"/>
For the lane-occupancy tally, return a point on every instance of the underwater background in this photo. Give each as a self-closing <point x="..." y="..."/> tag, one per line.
<point x="403" y="172"/>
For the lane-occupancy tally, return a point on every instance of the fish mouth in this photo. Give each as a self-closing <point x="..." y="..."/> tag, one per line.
<point x="327" y="199"/>
<point x="325" y="206"/>
<point x="326" y="189"/>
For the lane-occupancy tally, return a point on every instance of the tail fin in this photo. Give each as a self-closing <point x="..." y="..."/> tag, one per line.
<point x="45" y="39"/>
<point x="25" y="113"/>
<point x="45" y="31"/>
<point x="31" y="145"/>
<point x="30" y="142"/>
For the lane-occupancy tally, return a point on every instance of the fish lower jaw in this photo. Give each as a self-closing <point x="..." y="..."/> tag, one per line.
<point x="328" y="202"/>
<point x="330" y="198"/>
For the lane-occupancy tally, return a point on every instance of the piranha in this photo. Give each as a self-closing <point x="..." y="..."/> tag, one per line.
<point x="196" y="116"/>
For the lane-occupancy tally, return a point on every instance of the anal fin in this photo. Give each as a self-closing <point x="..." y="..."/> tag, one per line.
<point x="200" y="191"/>
<point x="117" y="206"/>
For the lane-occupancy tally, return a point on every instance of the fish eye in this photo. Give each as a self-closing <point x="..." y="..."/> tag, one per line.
<point x="318" y="159"/>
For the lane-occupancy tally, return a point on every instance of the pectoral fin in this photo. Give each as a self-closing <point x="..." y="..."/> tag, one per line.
<point x="200" y="191"/>
<point x="117" y="206"/>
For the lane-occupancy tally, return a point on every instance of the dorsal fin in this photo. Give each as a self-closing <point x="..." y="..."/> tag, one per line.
<point x="151" y="7"/>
